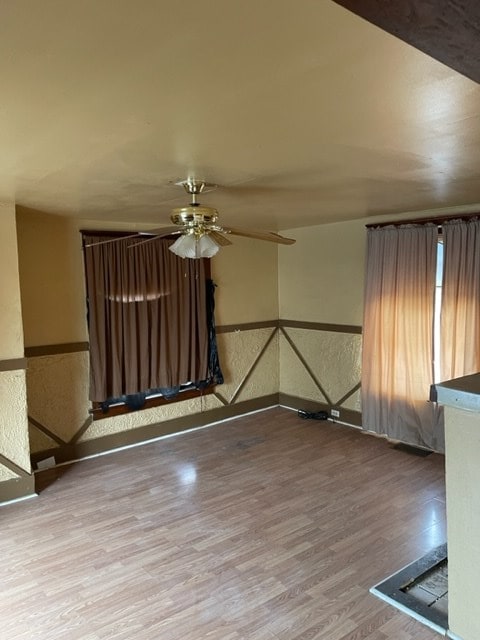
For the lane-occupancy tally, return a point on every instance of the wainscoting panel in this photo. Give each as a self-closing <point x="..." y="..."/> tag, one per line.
<point x="249" y="364"/>
<point x="60" y="423"/>
<point x="322" y="364"/>
<point x="57" y="389"/>
<point x="13" y="438"/>
<point x="16" y="480"/>
<point x="311" y="364"/>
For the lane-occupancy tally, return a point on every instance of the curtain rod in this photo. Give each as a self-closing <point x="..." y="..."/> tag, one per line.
<point x="437" y="220"/>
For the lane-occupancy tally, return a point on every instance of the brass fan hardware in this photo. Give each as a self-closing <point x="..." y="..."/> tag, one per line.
<point x="194" y="216"/>
<point x="200" y="235"/>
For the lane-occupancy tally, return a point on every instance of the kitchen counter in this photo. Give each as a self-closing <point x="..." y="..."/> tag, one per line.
<point x="463" y="393"/>
<point x="461" y="400"/>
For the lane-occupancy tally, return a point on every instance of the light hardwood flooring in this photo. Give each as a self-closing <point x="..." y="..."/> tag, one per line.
<point x="267" y="527"/>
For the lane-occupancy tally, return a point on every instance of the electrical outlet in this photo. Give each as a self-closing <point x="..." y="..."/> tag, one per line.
<point x="46" y="463"/>
<point x="335" y="413"/>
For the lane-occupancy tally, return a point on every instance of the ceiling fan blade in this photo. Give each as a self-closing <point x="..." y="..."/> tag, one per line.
<point x="165" y="231"/>
<point x="156" y="233"/>
<point x="157" y="236"/>
<point x="270" y="236"/>
<point x="117" y="239"/>
<point x="149" y="239"/>
<point x="219" y="238"/>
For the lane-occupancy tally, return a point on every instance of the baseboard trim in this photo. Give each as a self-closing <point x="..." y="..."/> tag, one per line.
<point x="106" y="444"/>
<point x="17" y="489"/>
<point x="347" y="416"/>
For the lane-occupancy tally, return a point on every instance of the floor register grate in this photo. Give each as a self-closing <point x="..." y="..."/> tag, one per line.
<point x="420" y="589"/>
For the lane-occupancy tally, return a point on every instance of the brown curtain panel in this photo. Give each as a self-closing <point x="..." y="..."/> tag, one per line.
<point x="397" y="355"/>
<point x="460" y="310"/>
<point x="147" y="317"/>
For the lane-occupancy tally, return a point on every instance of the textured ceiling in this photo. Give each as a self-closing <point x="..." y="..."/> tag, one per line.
<point x="303" y="113"/>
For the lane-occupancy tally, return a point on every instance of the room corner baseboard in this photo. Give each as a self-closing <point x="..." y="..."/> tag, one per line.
<point x="107" y="444"/>
<point x="17" y="489"/>
<point x="347" y="416"/>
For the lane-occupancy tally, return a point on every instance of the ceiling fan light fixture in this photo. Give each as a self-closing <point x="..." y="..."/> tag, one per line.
<point x="207" y="245"/>
<point x="193" y="246"/>
<point x="184" y="246"/>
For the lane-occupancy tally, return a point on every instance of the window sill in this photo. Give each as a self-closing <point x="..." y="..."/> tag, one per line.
<point x="120" y="409"/>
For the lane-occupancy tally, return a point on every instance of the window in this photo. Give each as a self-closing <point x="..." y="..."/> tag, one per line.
<point x="151" y="325"/>
<point x="437" y="365"/>
<point x="421" y="324"/>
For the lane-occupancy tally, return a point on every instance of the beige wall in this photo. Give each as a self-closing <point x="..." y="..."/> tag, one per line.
<point x="13" y="420"/>
<point x="247" y="277"/>
<point x="14" y="447"/>
<point x="321" y="282"/>
<point x="51" y="274"/>
<point x="52" y="278"/>
<point x="321" y="276"/>
<point x="11" y="333"/>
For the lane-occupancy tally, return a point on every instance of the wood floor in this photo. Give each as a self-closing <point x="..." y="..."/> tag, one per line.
<point x="268" y="527"/>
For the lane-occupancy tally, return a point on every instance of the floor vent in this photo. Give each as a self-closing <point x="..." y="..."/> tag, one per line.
<point x="414" y="451"/>
<point x="420" y="589"/>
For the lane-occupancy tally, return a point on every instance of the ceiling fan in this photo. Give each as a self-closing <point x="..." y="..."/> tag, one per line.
<point x="200" y="235"/>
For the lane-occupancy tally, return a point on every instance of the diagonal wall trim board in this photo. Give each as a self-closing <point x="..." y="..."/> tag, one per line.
<point x="349" y="393"/>
<point x="83" y="429"/>
<point x="221" y="398"/>
<point x="45" y="430"/>
<point x="252" y="368"/>
<point x="321" y="326"/>
<point x="23" y="473"/>
<point x="15" y="364"/>
<point x="305" y="364"/>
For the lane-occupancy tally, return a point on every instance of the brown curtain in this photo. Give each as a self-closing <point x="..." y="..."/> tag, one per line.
<point x="147" y="317"/>
<point x="397" y="368"/>
<point x="460" y="311"/>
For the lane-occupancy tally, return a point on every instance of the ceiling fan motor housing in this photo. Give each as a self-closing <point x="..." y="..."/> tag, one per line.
<point x="194" y="216"/>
